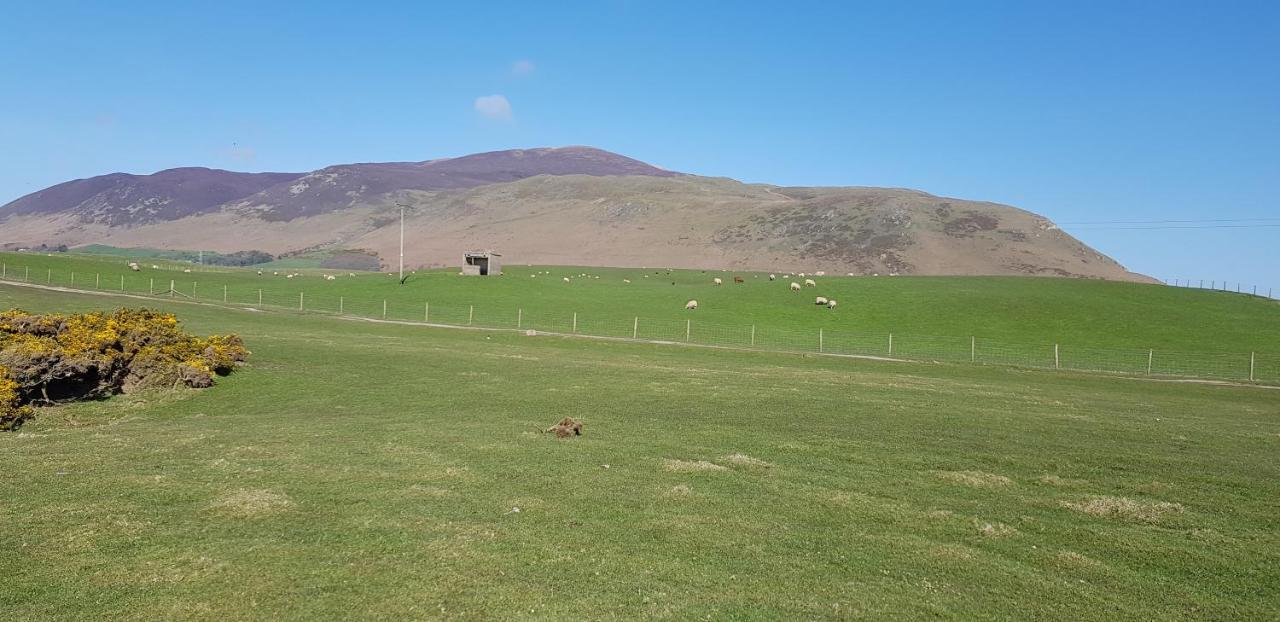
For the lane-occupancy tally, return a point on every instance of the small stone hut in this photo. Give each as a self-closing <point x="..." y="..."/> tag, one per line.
<point x="482" y="263"/>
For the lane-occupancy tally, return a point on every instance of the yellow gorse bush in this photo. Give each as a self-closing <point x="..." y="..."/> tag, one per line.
<point x="55" y="357"/>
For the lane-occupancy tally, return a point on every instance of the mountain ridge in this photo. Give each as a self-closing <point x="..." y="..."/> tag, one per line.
<point x="571" y="205"/>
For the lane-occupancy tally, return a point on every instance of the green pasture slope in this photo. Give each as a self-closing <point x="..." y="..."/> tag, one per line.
<point x="1018" y="310"/>
<point x="374" y="471"/>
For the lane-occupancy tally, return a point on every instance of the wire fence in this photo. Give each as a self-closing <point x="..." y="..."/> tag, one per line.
<point x="1243" y="366"/>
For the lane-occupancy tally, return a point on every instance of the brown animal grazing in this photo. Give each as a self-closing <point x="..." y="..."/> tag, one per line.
<point x="738" y="279"/>
<point x="566" y="428"/>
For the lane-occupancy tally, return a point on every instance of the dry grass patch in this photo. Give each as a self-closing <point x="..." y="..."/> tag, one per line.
<point x="994" y="530"/>
<point x="249" y="503"/>
<point x="975" y="479"/>
<point x="678" y="491"/>
<point x="1125" y="508"/>
<point x="690" y="466"/>
<point x="743" y="460"/>
<point x="1061" y="482"/>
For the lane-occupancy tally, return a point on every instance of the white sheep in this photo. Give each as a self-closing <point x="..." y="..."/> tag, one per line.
<point x="155" y="267"/>
<point x="691" y="305"/>
<point x="288" y="276"/>
<point x="133" y="266"/>
<point x="351" y="274"/>
<point x="773" y="277"/>
<point x="810" y="283"/>
<point x="717" y="281"/>
<point x="566" y="279"/>
<point x="819" y="301"/>
<point x="801" y="275"/>
<point x="275" y="274"/>
<point x="831" y="304"/>
<point x="187" y="271"/>
<point x="795" y="287"/>
<point x="820" y="273"/>
<point x="626" y="280"/>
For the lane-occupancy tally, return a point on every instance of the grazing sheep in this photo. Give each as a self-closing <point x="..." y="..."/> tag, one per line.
<point x="810" y="283"/>
<point x="275" y="274"/>
<point x="155" y="267"/>
<point x="795" y="287"/>
<point x="691" y="305"/>
<point x="738" y="279"/>
<point x="351" y="274"/>
<point x="717" y="281"/>
<point x="819" y="301"/>
<point x="288" y="276"/>
<point x="134" y="267"/>
<point x="820" y="273"/>
<point x="773" y="277"/>
<point x="187" y="271"/>
<point x="626" y="280"/>
<point x="831" y="304"/>
<point x="850" y="274"/>
<point x="566" y="279"/>
<point x="259" y="273"/>
<point x="801" y="275"/>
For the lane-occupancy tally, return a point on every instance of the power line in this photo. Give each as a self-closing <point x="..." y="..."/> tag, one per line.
<point x="1167" y="222"/>
<point x="1156" y="227"/>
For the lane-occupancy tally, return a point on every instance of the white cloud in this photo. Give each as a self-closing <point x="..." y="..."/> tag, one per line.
<point x="523" y="67"/>
<point x="494" y="107"/>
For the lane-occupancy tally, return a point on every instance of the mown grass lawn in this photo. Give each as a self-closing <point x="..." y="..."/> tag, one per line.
<point x="358" y="470"/>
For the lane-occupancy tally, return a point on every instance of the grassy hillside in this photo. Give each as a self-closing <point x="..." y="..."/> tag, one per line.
<point x="1020" y="310"/>
<point x="377" y="469"/>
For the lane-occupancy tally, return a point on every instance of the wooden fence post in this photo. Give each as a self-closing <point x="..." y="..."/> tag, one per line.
<point x="973" y="349"/>
<point x="819" y="341"/>
<point x="519" y="318"/>
<point x="1151" y="355"/>
<point x="151" y="287"/>
<point x="121" y="282"/>
<point x="1253" y="357"/>
<point x="471" y="313"/>
<point x="688" y="328"/>
<point x="753" y="335"/>
<point x="426" y="313"/>
<point x="340" y="301"/>
<point x="635" y="327"/>
<point x="890" y="344"/>
<point x="300" y="298"/>
<point x="73" y="278"/>
<point x="97" y="280"/>
<point x="1055" y="357"/>
<point x="259" y="296"/>
<point x="224" y="294"/>
<point x="384" y="308"/>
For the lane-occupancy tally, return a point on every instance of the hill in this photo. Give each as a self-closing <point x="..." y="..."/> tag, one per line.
<point x="573" y="205"/>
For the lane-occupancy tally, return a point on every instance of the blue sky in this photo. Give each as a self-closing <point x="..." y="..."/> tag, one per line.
<point x="1079" y="111"/>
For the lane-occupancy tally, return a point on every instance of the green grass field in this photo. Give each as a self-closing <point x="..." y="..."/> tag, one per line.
<point x="1099" y="325"/>
<point x="362" y="470"/>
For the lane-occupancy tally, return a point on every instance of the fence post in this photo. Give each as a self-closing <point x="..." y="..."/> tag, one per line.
<point x="259" y="296"/>
<point x="224" y="294"/>
<point x="575" y="322"/>
<point x="28" y="274"/>
<point x="172" y="282"/>
<point x="890" y="344"/>
<point x="4" y="270"/>
<point x="121" y="282"/>
<point x="753" y="335"/>
<point x="340" y="301"/>
<point x="49" y="278"/>
<point x="97" y="280"/>
<point x="635" y="327"/>
<point x="151" y="287"/>
<point x="819" y="341"/>
<point x="1055" y="357"/>
<point x="426" y="312"/>
<point x="1151" y="355"/>
<point x="471" y="313"/>
<point x="73" y="278"/>
<point x="973" y="349"/>
<point x="384" y="308"/>
<point x="300" y="298"/>
<point x="688" y="328"/>
<point x="1253" y="356"/>
<point x="519" y="318"/>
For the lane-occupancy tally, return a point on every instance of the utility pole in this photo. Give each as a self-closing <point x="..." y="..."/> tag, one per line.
<point x="401" y="206"/>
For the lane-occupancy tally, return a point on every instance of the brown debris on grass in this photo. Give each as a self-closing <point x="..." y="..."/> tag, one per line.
<point x="248" y="503"/>
<point x="744" y="460"/>
<point x="1125" y="508"/>
<point x="566" y="428"/>
<point x="690" y="466"/>
<point x="975" y="479"/>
